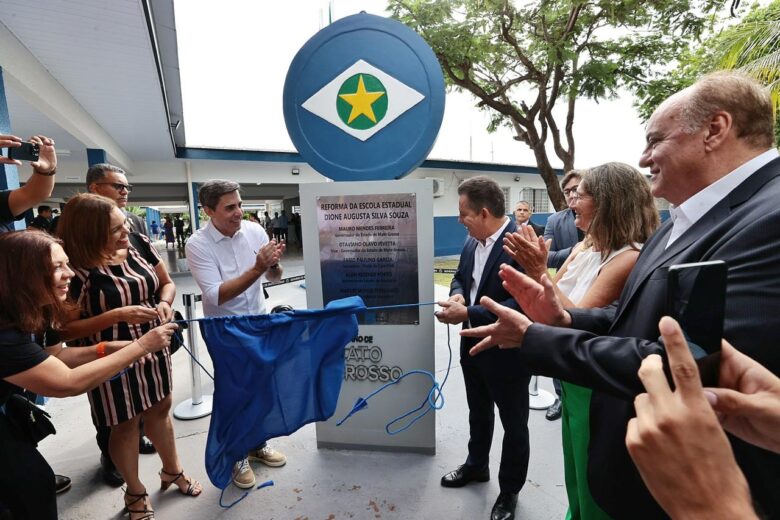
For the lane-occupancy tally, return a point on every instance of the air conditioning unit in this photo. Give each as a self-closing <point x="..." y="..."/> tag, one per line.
<point x="438" y="186"/>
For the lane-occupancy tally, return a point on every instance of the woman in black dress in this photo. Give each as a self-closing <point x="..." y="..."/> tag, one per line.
<point x="34" y="280"/>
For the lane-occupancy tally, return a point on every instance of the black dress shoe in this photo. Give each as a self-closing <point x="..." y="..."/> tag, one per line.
<point x="61" y="483"/>
<point x="463" y="475"/>
<point x="504" y="508"/>
<point x="554" y="411"/>
<point x="145" y="446"/>
<point x="110" y="474"/>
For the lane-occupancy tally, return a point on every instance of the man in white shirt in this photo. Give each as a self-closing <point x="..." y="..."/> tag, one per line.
<point x="229" y="257"/>
<point x="495" y="380"/>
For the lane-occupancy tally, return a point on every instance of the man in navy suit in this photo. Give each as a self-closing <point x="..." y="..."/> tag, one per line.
<point x="494" y="378"/>
<point x="560" y="229"/>
<point x="711" y="153"/>
<point x="523" y="212"/>
<point x="560" y="226"/>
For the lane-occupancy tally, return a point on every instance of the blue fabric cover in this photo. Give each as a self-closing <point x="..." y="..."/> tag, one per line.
<point x="273" y="374"/>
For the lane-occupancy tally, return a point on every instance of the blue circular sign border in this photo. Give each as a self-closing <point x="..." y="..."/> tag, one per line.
<point x="432" y="106"/>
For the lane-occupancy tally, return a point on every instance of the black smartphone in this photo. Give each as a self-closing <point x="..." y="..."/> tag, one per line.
<point x="26" y="152"/>
<point x="696" y="298"/>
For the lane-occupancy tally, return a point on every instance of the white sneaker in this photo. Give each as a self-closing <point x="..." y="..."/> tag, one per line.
<point x="243" y="476"/>
<point x="268" y="456"/>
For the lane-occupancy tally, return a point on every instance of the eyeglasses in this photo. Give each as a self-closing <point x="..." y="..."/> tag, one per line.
<point x="118" y="186"/>
<point x="569" y="191"/>
<point x="576" y="195"/>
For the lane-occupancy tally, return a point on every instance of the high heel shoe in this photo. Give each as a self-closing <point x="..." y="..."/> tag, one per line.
<point x="193" y="486"/>
<point x="148" y="514"/>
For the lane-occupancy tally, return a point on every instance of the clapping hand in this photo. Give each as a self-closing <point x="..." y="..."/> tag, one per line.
<point x="528" y="250"/>
<point x="537" y="298"/>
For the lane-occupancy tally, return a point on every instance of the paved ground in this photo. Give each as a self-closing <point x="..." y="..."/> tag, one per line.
<point x="316" y="483"/>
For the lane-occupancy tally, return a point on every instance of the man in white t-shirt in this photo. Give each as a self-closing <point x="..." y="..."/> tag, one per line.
<point x="229" y="258"/>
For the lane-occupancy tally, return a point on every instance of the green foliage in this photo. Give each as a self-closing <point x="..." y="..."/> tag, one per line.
<point x="520" y="59"/>
<point x="751" y="45"/>
<point x="136" y="210"/>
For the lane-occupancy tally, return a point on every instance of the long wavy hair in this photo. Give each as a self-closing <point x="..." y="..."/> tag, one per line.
<point x="28" y="301"/>
<point x="625" y="212"/>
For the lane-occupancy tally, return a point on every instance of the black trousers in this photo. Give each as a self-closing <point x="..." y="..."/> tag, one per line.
<point x="26" y="479"/>
<point x="505" y="387"/>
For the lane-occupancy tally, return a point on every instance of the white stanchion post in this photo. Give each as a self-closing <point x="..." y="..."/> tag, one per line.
<point x="538" y="398"/>
<point x="199" y="405"/>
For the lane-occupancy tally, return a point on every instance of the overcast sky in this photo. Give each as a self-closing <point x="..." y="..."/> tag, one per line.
<point x="234" y="59"/>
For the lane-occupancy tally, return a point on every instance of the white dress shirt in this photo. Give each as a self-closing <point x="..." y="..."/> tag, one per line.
<point x="689" y="212"/>
<point x="214" y="258"/>
<point x="481" y="254"/>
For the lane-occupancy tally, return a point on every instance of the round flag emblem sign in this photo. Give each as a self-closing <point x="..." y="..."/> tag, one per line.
<point x="364" y="99"/>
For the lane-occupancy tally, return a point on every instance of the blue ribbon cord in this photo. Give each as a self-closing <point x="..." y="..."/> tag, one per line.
<point x="267" y="483"/>
<point x="434" y="400"/>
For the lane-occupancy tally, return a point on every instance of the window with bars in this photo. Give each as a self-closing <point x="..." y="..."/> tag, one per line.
<point x="538" y="199"/>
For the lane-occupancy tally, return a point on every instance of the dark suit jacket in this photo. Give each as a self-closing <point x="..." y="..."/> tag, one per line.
<point x="561" y="229"/>
<point x="539" y="230"/>
<point x="744" y="230"/>
<point x="491" y="286"/>
<point x="137" y="224"/>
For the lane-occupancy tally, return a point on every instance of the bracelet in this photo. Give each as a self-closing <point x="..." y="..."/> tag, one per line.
<point x="138" y="341"/>
<point x="166" y="301"/>
<point x="100" y="349"/>
<point x="46" y="174"/>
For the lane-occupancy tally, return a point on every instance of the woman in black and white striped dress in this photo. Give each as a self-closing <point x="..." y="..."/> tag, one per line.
<point x="123" y="292"/>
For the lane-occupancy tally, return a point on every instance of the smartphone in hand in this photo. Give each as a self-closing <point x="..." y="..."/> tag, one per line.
<point x="696" y="298"/>
<point x="26" y="152"/>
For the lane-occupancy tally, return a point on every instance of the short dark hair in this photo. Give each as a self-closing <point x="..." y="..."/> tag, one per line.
<point x="483" y="192"/>
<point x="43" y="208"/>
<point x="26" y="275"/>
<point x="211" y="191"/>
<point x="98" y="171"/>
<point x="571" y="174"/>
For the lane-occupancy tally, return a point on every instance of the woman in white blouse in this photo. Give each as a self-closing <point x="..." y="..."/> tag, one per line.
<point x="616" y="211"/>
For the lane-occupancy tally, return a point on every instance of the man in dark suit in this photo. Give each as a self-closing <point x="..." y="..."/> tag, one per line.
<point x="494" y="378"/>
<point x="560" y="226"/>
<point x="710" y="150"/>
<point x="564" y="235"/>
<point x="523" y="212"/>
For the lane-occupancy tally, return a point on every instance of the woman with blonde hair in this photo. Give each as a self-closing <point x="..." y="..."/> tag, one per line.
<point x="123" y="291"/>
<point x="616" y="211"/>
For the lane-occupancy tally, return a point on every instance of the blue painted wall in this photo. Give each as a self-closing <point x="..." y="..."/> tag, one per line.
<point x="96" y="156"/>
<point x="449" y="234"/>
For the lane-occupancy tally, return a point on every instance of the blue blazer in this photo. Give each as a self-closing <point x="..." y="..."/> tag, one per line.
<point x="561" y="229"/>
